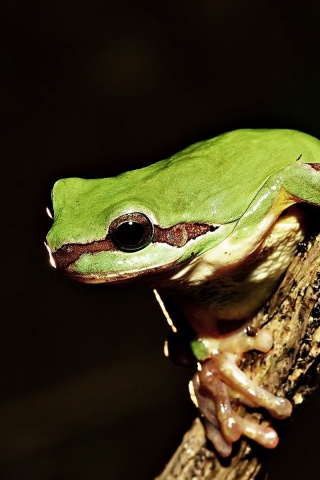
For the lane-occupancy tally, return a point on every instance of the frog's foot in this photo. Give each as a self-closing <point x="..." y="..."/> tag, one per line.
<point x="220" y="386"/>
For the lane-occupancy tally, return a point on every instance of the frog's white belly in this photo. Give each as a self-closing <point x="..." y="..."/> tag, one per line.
<point x="236" y="291"/>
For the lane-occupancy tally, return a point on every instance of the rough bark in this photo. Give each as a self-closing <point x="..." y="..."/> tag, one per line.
<point x="290" y="369"/>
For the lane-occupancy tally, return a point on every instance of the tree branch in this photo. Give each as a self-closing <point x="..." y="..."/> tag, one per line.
<point x="289" y="369"/>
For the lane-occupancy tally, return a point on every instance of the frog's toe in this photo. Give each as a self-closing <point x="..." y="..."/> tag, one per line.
<point x="224" y="365"/>
<point x="259" y="432"/>
<point x="217" y="413"/>
<point x="219" y="388"/>
<point x="213" y="433"/>
<point x="223" y="424"/>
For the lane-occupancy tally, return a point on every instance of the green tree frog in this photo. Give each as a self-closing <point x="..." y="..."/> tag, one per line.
<point x="212" y="229"/>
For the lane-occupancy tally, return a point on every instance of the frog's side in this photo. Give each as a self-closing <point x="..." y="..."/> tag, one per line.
<point x="215" y="227"/>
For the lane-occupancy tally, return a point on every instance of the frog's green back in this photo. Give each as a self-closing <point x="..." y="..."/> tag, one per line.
<point x="212" y="181"/>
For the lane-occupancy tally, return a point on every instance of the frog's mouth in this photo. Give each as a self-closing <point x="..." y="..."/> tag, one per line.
<point x="159" y="276"/>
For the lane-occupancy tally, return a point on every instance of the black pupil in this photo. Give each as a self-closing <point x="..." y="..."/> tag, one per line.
<point x="130" y="234"/>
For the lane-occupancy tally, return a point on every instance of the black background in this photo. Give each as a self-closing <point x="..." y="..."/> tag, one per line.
<point x="91" y="89"/>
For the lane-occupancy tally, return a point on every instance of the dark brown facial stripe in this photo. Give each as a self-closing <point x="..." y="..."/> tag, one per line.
<point x="69" y="253"/>
<point x="315" y="166"/>
<point x="180" y="234"/>
<point x="176" y="236"/>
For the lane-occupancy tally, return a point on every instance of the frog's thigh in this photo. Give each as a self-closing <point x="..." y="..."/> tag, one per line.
<point x="302" y="180"/>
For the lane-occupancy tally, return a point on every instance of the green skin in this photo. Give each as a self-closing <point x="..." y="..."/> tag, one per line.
<point x="209" y="212"/>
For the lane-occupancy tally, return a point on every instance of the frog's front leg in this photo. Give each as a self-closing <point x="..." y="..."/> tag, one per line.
<point x="220" y="386"/>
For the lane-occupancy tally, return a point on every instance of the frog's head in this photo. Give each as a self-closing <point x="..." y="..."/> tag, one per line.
<point x="97" y="237"/>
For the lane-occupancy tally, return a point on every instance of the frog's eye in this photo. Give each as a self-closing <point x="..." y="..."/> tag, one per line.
<point x="131" y="232"/>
